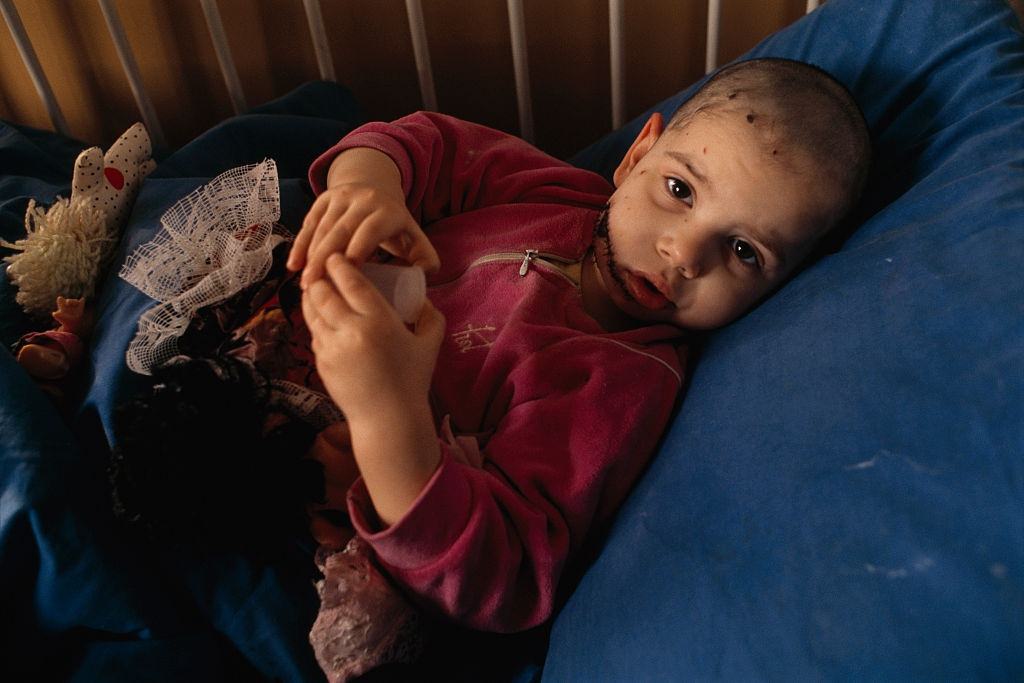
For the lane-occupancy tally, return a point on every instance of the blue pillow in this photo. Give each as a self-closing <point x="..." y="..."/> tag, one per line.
<point x="842" y="492"/>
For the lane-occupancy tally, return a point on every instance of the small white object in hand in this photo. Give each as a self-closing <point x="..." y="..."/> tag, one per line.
<point x="405" y="287"/>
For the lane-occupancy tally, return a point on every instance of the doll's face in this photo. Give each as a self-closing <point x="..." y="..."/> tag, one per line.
<point x="704" y="222"/>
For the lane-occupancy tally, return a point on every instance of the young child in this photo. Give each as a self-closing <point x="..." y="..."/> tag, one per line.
<point x="486" y="445"/>
<point x="494" y="436"/>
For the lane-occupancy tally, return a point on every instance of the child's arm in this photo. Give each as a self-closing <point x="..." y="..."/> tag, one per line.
<point x="487" y="544"/>
<point x="449" y="166"/>
<point x="378" y="373"/>
<point x="434" y="166"/>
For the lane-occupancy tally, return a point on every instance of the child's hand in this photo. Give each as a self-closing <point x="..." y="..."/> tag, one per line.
<point x="372" y="365"/>
<point x="354" y="219"/>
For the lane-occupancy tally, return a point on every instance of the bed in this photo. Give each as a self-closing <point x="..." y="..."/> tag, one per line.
<point x="840" y="494"/>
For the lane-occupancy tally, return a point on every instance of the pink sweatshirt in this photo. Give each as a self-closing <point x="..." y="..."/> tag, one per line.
<point x="545" y="420"/>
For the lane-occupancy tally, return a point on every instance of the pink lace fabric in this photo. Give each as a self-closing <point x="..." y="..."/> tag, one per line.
<point x="364" y="621"/>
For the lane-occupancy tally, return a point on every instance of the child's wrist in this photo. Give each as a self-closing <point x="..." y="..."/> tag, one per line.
<point x="406" y="423"/>
<point x="387" y="409"/>
<point x="397" y="454"/>
<point x="366" y="165"/>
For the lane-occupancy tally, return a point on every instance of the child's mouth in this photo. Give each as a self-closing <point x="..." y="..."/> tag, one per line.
<point x="644" y="292"/>
<point x="635" y="286"/>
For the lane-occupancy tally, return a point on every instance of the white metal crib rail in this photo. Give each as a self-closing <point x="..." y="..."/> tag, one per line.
<point x="325" y="63"/>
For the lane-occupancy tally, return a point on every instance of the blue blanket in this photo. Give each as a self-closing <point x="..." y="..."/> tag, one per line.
<point x="78" y="601"/>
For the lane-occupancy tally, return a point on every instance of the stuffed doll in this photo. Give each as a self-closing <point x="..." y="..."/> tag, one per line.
<point x="51" y="355"/>
<point x="67" y="246"/>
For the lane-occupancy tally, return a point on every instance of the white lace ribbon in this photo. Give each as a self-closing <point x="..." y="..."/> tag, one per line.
<point x="215" y="242"/>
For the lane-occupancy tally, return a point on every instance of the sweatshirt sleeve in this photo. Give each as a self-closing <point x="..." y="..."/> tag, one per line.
<point x="449" y="166"/>
<point x="487" y="545"/>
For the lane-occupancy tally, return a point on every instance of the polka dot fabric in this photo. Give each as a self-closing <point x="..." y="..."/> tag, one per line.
<point x="109" y="182"/>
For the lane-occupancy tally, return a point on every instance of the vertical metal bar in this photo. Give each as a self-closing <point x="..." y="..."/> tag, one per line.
<point x="616" y="38"/>
<point x="421" y="51"/>
<point x="714" y="32"/>
<point x="35" y="70"/>
<point x="227" y="63"/>
<point x="517" y="28"/>
<point x="320" y="43"/>
<point x="131" y="72"/>
<point x="812" y="5"/>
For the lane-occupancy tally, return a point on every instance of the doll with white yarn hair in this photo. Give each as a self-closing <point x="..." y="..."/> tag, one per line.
<point x="66" y="247"/>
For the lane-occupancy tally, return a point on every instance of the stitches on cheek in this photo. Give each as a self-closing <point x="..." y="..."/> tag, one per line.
<point x="602" y="230"/>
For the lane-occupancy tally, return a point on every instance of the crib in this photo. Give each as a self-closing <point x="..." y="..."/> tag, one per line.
<point x="242" y="54"/>
<point x="840" y="494"/>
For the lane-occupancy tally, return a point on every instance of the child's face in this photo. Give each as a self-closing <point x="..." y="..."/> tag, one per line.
<point x="704" y="222"/>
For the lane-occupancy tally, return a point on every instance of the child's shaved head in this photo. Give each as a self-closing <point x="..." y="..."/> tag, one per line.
<point x="804" y="117"/>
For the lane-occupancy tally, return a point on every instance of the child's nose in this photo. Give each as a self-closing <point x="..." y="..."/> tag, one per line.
<point x="686" y="251"/>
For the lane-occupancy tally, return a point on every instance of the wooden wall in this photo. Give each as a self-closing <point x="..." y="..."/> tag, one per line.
<point x="469" y="46"/>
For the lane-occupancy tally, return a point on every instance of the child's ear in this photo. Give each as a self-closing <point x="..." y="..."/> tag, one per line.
<point x="644" y="141"/>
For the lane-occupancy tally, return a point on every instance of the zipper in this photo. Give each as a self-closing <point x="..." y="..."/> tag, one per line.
<point x="529" y="255"/>
<point x="526" y="258"/>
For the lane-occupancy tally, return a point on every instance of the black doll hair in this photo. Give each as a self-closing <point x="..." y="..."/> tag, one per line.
<point x="191" y="462"/>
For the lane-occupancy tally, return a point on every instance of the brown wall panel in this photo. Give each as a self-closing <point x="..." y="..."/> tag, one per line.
<point x="469" y="47"/>
<point x="373" y="55"/>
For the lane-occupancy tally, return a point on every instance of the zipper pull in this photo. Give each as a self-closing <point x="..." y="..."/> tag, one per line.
<point x="530" y="254"/>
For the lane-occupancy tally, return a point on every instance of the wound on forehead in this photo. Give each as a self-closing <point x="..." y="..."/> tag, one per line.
<point x="802" y="116"/>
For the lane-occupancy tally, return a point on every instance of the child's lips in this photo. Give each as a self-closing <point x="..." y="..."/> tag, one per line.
<point x="647" y="292"/>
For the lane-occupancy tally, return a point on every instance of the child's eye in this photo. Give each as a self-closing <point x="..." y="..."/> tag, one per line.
<point x="680" y="190"/>
<point x="744" y="252"/>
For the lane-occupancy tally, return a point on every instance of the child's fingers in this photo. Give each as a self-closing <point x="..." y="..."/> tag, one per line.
<point x="330" y="306"/>
<point x="322" y="308"/>
<point x="312" y="318"/>
<point x="358" y="292"/>
<point x="297" y="252"/>
<point x="413" y="246"/>
<point x="423" y="254"/>
<point x="333" y="229"/>
<point x="430" y="325"/>
<point x="341" y="217"/>
<point x="334" y="239"/>
<point x="379" y="230"/>
<point x="297" y="255"/>
<point x="372" y="233"/>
